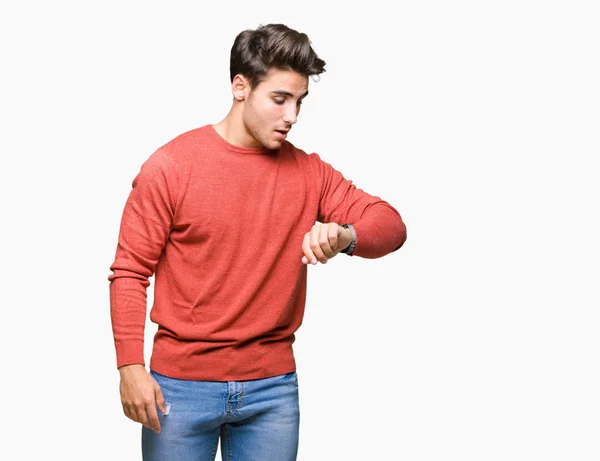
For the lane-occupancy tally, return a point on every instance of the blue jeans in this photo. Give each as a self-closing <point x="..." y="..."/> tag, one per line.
<point x="257" y="420"/>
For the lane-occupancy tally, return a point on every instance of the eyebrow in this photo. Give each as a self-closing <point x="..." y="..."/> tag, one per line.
<point x="287" y="93"/>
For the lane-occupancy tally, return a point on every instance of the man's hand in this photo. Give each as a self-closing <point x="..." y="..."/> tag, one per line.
<point x="140" y="395"/>
<point x="324" y="241"/>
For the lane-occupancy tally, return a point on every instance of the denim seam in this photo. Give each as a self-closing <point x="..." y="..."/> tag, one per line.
<point x="241" y="397"/>
<point x="214" y="452"/>
<point x="228" y="444"/>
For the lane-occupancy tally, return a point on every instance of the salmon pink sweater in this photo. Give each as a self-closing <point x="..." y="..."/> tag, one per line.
<point x="221" y="228"/>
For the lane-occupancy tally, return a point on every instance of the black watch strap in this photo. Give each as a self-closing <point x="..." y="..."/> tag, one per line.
<point x="350" y="249"/>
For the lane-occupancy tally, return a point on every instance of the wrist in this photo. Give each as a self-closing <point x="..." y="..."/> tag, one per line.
<point x="349" y="229"/>
<point x="131" y="368"/>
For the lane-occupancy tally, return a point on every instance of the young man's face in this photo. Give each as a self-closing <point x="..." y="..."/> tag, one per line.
<point x="272" y="107"/>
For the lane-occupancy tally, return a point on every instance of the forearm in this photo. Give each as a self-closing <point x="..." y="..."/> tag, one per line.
<point x="128" y="318"/>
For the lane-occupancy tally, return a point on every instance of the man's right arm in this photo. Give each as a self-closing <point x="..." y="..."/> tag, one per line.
<point x="145" y="226"/>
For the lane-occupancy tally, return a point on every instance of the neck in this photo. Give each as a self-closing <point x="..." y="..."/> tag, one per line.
<point x="232" y="128"/>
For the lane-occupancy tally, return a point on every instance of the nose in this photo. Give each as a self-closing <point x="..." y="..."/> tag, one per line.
<point x="291" y="115"/>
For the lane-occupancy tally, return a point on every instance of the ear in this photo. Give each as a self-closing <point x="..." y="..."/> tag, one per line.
<point x="240" y="87"/>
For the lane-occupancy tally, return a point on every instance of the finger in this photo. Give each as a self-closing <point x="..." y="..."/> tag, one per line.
<point x="132" y="412"/>
<point x="160" y="400"/>
<point x="129" y="413"/>
<point x="315" y="244"/>
<point x="335" y="237"/>
<point x="152" y="422"/>
<point x="328" y="240"/>
<point x="141" y="415"/>
<point x="308" y="253"/>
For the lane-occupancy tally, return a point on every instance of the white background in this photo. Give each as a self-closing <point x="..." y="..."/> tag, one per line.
<point x="478" y="120"/>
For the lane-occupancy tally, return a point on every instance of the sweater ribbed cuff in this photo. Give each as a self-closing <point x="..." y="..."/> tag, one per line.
<point x="129" y="353"/>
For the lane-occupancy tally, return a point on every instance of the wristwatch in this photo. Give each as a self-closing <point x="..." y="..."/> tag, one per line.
<point x="350" y="249"/>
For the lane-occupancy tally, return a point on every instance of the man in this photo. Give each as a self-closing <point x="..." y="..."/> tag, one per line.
<point x="227" y="217"/>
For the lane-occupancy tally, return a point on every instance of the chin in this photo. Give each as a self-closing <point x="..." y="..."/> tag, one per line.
<point x="272" y="145"/>
<point x="269" y="141"/>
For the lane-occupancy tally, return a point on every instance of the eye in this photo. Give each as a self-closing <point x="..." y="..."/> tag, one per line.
<point x="279" y="101"/>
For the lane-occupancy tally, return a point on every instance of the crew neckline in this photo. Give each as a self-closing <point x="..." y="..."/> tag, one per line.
<point x="238" y="149"/>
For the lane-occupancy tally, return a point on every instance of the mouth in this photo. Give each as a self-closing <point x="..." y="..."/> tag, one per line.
<point x="282" y="133"/>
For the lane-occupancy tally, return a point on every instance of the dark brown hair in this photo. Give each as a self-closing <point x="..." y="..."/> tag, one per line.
<point x="255" y="52"/>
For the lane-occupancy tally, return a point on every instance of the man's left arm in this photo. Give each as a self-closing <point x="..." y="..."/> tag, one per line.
<point x="378" y="226"/>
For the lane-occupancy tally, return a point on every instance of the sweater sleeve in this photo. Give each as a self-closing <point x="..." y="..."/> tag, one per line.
<point x="145" y="226"/>
<point x="379" y="227"/>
